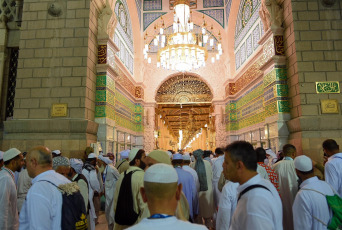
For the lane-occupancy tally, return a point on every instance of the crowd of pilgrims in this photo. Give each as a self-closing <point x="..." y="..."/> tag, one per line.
<point x="236" y="187"/>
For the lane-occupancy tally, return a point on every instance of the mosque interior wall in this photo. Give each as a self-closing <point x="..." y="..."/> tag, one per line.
<point x="269" y="99"/>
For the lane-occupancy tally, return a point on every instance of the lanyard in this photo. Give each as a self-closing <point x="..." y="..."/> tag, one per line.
<point x="159" y="216"/>
<point x="10" y="172"/>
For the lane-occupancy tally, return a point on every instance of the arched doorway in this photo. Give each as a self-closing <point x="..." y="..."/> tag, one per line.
<point x="184" y="107"/>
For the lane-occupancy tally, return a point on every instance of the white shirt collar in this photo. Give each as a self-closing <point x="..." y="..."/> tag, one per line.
<point x="308" y="181"/>
<point x="42" y="175"/>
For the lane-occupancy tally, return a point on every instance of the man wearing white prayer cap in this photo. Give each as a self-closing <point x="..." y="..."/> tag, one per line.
<point x="137" y="164"/>
<point x="310" y="208"/>
<point x="13" y="161"/>
<point x="89" y="171"/>
<point x="160" y="156"/>
<point x="76" y="175"/>
<point x="189" y="186"/>
<point x="123" y="164"/>
<point x="162" y="192"/>
<point x="110" y="176"/>
<point x="56" y="153"/>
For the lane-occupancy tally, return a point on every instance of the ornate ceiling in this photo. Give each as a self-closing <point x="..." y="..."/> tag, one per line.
<point x="184" y="103"/>
<point x="183" y="89"/>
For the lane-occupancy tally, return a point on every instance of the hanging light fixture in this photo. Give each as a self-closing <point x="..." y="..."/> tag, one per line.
<point x="183" y="49"/>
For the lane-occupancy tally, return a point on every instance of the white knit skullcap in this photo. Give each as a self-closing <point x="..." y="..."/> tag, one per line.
<point x="303" y="163"/>
<point x="124" y="154"/>
<point x="77" y="165"/>
<point x="177" y="156"/>
<point x="132" y="154"/>
<point x="161" y="173"/>
<point x="57" y="152"/>
<point x="105" y="159"/>
<point x="92" y="156"/>
<point x="60" y="161"/>
<point x="271" y="153"/>
<point x="10" y="154"/>
<point x="186" y="157"/>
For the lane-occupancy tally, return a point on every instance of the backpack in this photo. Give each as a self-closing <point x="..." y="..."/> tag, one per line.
<point x="125" y="214"/>
<point x="74" y="215"/>
<point x="335" y="204"/>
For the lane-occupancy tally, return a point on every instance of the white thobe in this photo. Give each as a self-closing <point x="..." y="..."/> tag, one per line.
<point x="288" y="187"/>
<point x="227" y="205"/>
<point x="111" y="175"/>
<point x="8" y="199"/>
<point x="24" y="184"/>
<point x="93" y="185"/>
<point x="258" y="209"/>
<point x="217" y="170"/>
<point x="263" y="173"/>
<point x="333" y="172"/>
<point x="194" y="174"/>
<point x="206" y="198"/>
<point x="311" y="205"/>
<point x="42" y="208"/>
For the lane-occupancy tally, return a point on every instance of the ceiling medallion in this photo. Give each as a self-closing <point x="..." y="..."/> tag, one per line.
<point x="183" y="49"/>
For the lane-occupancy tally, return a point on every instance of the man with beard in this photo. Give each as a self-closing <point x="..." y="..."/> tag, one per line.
<point x="110" y="177"/>
<point x="13" y="161"/>
<point x="89" y="171"/>
<point x="23" y="185"/>
<point x="137" y="165"/>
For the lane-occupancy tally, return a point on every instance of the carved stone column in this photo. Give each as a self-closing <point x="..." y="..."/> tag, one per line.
<point x="220" y="124"/>
<point x="149" y="120"/>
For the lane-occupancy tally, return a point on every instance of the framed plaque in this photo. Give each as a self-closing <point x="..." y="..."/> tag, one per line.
<point x="328" y="87"/>
<point x="59" y="110"/>
<point x="329" y="106"/>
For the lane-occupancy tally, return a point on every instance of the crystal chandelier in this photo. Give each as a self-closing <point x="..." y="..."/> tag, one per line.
<point x="183" y="49"/>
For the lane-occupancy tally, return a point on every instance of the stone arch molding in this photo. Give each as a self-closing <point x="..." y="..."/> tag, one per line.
<point x="106" y="19"/>
<point x="184" y="88"/>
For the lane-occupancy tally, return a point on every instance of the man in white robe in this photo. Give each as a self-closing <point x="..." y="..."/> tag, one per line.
<point x="258" y="204"/>
<point x="110" y="177"/>
<point x="123" y="164"/>
<point x="227" y="205"/>
<point x="288" y="183"/>
<point x="137" y="163"/>
<point x="162" y="193"/>
<point x="89" y="171"/>
<point x="13" y="161"/>
<point x="205" y="196"/>
<point x="217" y="170"/>
<point x="76" y="175"/>
<point x="310" y="208"/>
<point x="24" y="184"/>
<point x="333" y="167"/>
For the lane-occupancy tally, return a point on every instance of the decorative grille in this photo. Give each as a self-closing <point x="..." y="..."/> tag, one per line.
<point x="12" y="79"/>
<point x="8" y="9"/>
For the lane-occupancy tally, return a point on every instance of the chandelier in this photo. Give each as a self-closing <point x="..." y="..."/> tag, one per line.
<point x="183" y="49"/>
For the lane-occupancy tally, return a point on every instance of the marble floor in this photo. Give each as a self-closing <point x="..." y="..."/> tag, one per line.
<point x="102" y="225"/>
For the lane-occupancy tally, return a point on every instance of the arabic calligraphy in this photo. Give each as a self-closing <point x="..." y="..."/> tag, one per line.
<point x="328" y="87"/>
